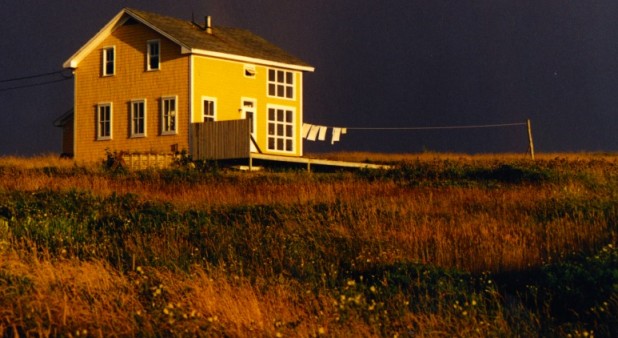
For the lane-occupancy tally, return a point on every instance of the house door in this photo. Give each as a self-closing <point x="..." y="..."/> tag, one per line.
<point x="249" y="112"/>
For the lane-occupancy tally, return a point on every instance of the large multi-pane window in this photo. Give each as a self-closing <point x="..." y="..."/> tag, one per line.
<point x="169" y="115"/>
<point x="138" y="118"/>
<point x="281" y="83"/>
<point x="281" y="129"/>
<point x="104" y="121"/>
<point x="153" y="56"/>
<point x="108" y="65"/>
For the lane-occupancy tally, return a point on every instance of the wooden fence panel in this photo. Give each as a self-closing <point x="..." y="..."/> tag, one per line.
<point x="140" y="161"/>
<point x="222" y="140"/>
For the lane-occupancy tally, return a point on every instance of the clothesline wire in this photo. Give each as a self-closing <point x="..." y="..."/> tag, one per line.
<point x="441" y="127"/>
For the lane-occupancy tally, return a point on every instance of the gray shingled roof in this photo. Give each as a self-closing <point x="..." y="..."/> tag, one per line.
<point x="226" y="40"/>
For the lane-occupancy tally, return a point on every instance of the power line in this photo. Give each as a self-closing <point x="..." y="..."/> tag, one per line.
<point x="34" y="84"/>
<point x="33" y="76"/>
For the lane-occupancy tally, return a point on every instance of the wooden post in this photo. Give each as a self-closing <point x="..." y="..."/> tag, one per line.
<point x="530" y="141"/>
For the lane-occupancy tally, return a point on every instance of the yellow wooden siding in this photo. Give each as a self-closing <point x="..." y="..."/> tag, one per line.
<point x="131" y="81"/>
<point x="226" y="82"/>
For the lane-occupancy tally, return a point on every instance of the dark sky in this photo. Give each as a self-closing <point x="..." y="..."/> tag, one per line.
<point x="397" y="63"/>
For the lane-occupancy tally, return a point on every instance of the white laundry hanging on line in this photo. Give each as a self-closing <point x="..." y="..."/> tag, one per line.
<point x="336" y="135"/>
<point x="344" y="130"/>
<point x="322" y="135"/>
<point x="313" y="133"/>
<point x="306" y="129"/>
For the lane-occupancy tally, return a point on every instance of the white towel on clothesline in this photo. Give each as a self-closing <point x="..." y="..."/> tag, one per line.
<point x="336" y="135"/>
<point x="306" y="129"/>
<point x="313" y="133"/>
<point x="322" y="135"/>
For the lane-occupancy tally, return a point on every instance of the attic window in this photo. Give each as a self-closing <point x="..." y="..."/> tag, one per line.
<point x="108" y="65"/>
<point x="250" y="71"/>
<point x="153" y="57"/>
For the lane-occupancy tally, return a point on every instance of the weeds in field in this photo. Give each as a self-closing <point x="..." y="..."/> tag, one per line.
<point x="433" y="247"/>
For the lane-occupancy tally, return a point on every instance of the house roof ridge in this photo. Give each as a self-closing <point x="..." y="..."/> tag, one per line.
<point x="222" y="41"/>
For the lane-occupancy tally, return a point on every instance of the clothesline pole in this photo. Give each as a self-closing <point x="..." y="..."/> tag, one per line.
<point x="530" y="141"/>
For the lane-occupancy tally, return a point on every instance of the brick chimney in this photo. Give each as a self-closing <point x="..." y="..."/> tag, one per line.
<point x="208" y="24"/>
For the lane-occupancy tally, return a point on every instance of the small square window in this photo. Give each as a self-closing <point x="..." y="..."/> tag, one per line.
<point x="250" y="71"/>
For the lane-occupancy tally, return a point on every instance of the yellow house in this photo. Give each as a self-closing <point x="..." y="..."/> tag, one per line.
<point x="144" y="79"/>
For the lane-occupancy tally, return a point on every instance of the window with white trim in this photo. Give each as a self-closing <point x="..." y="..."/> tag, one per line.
<point x="153" y="55"/>
<point x="249" y="71"/>
<point x="138" y="118"/>
<point x="281" y="83"/>
<point x="108" y="66"/>
<point x="209" y="106"/>
<point x="169" y="115"/>
<point x="281" y="129"/>
<point x="104" y="121"/>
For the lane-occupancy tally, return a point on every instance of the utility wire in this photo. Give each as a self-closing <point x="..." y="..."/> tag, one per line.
<point x="33" y="76"/>
<point x="34" y="84"/>
<point x="29" y="77"/>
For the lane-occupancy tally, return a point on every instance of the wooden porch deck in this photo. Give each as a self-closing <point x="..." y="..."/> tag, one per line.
<point x="231" y="141"/>
<point x="313" y="162"/>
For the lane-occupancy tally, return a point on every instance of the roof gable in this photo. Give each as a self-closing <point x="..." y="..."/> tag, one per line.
<point x="223" y="42"/>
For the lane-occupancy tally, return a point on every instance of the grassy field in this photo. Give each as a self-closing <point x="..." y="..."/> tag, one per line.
<point x="441" y="245"/>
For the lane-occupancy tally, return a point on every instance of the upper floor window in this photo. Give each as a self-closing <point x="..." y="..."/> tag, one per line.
<point x="153" y="57"/>
<point x="109" y="61"/>
<point x="104" y="121"/>
<point x="138" y="118"/>
<point x="169" y="116"/>
<point x="281" y="83"/>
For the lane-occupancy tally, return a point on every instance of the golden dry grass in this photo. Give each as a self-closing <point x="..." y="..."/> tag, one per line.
<point x="466" y="224"/>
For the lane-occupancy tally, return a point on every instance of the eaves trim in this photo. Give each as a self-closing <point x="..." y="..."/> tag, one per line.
<point x="246" y="59"/>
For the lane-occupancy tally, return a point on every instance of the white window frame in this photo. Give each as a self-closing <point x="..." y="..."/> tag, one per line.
<point x="249" y="71"/>
<point x="277" y="88"/>
<point x="149" y="55"/>
<point x="165" y="130"/>
<point x="100" y="135"/>
<point x="133" y="118"/>
<point x="104" y="61"/>
<point x="273" y="126"/>
<point x="214" y="107"/>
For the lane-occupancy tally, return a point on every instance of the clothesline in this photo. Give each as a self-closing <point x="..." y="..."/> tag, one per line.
<point x="311" y="132"/>
<point x="441" y="127"/>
